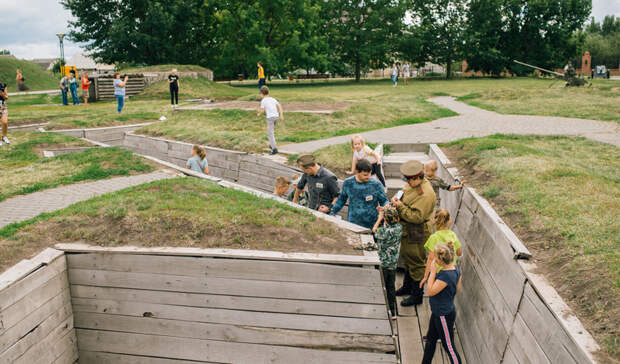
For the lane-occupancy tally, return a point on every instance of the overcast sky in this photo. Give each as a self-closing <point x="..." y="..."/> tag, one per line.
<point x="29" y="27"/>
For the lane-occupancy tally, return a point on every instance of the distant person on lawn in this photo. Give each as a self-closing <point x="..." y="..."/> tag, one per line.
<point x="362" y="151"/>
<point x="173" y="80"/>
<point x="64" y="87"/>
<point x="198" y="161"/>
<point x="273" y="111"/>
<point x="4" y="113"/>
<point x="406" y="73"/>
<point x="364" y="195"/>
<point x="430" y="170"/>
<point x="394" y="74"/>
<point x="388" y="232"/>
<point x="85" y="87"/>
<point x="73" y="87"/>
<point x="322" y="184"/>
<point x="261" y="75"/>
<point x="119" y="90"/>
<point x="21" y="81"/>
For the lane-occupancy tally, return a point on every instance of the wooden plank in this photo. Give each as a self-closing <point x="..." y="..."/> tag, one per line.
<point x="411" y="346"/>
<point x="228" y="268"/>
<point x="60" y="318"/>
<point x="20" y="330"/>
<point x="403" y="311"/>
<point x="510" y="357"/>
<point x="557" y="345"/>
<point x="27" y="266"/>
<point x="94" y="357"/>
<point x="459" y="346"/>
<point x="234" y="317"/>
<point x="13" y="314"/>
<point x="341" y="309"/>
<point x="524" y="345"/>
<point x="224" y="253"/>
<point x="226" y="286"/>
<point x="22" y="287"/>
<point x="70" y="356"/>
<point x="234" y="333"/>
<point x="424" y="316"/>
<point x="217" y="351"/>
<point x="50" y="348"/>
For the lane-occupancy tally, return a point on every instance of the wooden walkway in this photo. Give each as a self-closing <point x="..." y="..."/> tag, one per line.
<point x="411" y="327"/>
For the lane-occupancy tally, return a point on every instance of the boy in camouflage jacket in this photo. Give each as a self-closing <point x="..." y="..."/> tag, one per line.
<point x="388" y="242"/>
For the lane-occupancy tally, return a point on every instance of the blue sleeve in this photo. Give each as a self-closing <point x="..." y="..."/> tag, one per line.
<point x="381" y="196"/>
<point x="342" y="199"/>
<point x="188" y="164"/>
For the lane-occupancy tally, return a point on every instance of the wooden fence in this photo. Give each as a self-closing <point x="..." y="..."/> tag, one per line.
<point x="36" y="319"/>
<point x="104" y="86"/>
<point x="505" y="313"/>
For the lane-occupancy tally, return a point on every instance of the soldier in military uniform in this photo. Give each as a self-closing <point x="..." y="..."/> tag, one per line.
<point x="414" y="208"/>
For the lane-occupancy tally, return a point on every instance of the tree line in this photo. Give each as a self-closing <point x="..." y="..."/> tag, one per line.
<point x="345" y="37"/>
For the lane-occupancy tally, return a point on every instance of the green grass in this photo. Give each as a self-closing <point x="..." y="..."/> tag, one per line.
<point x="193" y="88"/>
<point x="561" y="195"/>
<point x="25" y="170"/>
<point x="36" y="77"/>
<point x="176" y="212"/>
<point x="165" y="68"/>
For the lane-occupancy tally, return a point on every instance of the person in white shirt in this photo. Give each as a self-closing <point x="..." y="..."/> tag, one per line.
<point x="273" y="111"/>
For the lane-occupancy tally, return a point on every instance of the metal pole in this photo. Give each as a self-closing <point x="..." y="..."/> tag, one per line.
<point x="61" y="37"/>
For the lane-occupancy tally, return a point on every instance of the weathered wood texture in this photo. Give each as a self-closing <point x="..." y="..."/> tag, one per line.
<point x="501" y="314"/>
<point x="229" y="309"/>
<point x="112" y="135"/>
<point x="36" y="319"/>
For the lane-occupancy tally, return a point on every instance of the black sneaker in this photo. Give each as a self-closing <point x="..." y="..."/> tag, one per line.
<point x="411" y="301"/>
<point x="274" y="151"/>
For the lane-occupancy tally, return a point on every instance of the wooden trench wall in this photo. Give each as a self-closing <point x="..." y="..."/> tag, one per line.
<point x="505" y="312"/>
<point x="36" y="318"/>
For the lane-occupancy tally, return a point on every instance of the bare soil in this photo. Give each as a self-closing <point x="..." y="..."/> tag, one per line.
<point x="550" y="261"/>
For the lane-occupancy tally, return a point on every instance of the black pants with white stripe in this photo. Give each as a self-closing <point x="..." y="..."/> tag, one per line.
<point x="441" y="328"/>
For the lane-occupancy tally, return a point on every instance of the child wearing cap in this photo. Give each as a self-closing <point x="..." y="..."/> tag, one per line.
<point x="442" y="235"/>
<point x="273" y="111"/>
<point x="430" y="170"/>
<point x="388" y="242"/>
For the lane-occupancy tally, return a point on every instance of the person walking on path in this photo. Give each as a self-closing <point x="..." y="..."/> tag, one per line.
<point x="73" y="87"/>
<point x="4" y="113"/>
<point x="85" y="86"/>
<point x="19" y="78"/>
<point x="430" y="170"/>
<point x="261" y="75"/>
<point x="273" y="112"/>
<point x="173" y="80"/>
<point x="442" y="235"/>
<point x="64" y="86"/>
<point x="362" y="151"/>
<point x="119" y="90"/>
<point x="198" y="161"/>
<point x="414" y="208"/>
<point x="388" y="243"/>
<point x="364" y="196"/>
<point x="322" y="184"/>
<point x="443" y="285"/>
<point x="406" y="73"/>
<point x="394" y="75"/>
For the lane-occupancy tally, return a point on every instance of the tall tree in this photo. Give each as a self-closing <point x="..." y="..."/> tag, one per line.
<point x="363" y="33"/>
<point x="483" y="39"/>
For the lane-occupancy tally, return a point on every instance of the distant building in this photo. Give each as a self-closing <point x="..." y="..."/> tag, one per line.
<point x="85" y="63"/>
<point x="46" y="63"/>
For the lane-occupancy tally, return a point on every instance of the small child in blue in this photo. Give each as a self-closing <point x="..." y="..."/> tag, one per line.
<point x="198" y="161"/>
<point x="388" y="242"/>
<point x="442" y="287"/>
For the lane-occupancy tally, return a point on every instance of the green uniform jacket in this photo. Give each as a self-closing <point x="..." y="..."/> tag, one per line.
<point x="415" y="212"/>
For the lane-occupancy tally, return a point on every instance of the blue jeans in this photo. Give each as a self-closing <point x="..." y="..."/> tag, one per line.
<point x="120" y="99"/>
<point x="74" y="94"/>
<point x="64" y="96"/>
<point x="261" y="82"/>
<point x="394" y="79"/>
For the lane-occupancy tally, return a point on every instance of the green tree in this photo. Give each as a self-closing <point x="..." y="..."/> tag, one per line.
<point x="484" y="37"/>
<point x="363" y="33"/>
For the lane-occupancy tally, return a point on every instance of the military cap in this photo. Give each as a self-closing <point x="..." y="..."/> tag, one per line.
<point x="411" y="169"/>
<point x="306" y="159"/>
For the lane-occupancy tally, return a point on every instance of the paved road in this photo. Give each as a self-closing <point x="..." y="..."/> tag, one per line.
<point x="474" y="122"/>
<point x="41" y="92"/>
<point x="26" y="207"/>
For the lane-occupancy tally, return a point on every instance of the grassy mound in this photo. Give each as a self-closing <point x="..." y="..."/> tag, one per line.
<point x="165" y="68"/>
<point x="560" y="196"/>
<point x="193" y="88"/>
<point x="36" y="77"/>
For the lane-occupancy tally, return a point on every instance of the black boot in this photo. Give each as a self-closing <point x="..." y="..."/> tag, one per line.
<point x="417" y="295"/>
<point x="407" y="285"/>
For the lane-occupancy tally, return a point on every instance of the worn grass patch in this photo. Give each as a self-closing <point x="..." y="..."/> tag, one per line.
<point x="25" y="170"/>
<point x="177" y="212"/>
<point x="560" y="195"/>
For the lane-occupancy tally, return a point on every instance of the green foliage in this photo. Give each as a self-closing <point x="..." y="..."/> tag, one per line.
<point x="36" y="77"/>
<point x="602" y="41"/>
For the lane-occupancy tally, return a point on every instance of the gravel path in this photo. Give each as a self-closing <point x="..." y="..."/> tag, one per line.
<point x="26" y="207"/>
<point x="474" y="122"/>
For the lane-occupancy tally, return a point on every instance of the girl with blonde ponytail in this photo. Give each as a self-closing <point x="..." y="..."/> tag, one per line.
<point x="442" y="235"/>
